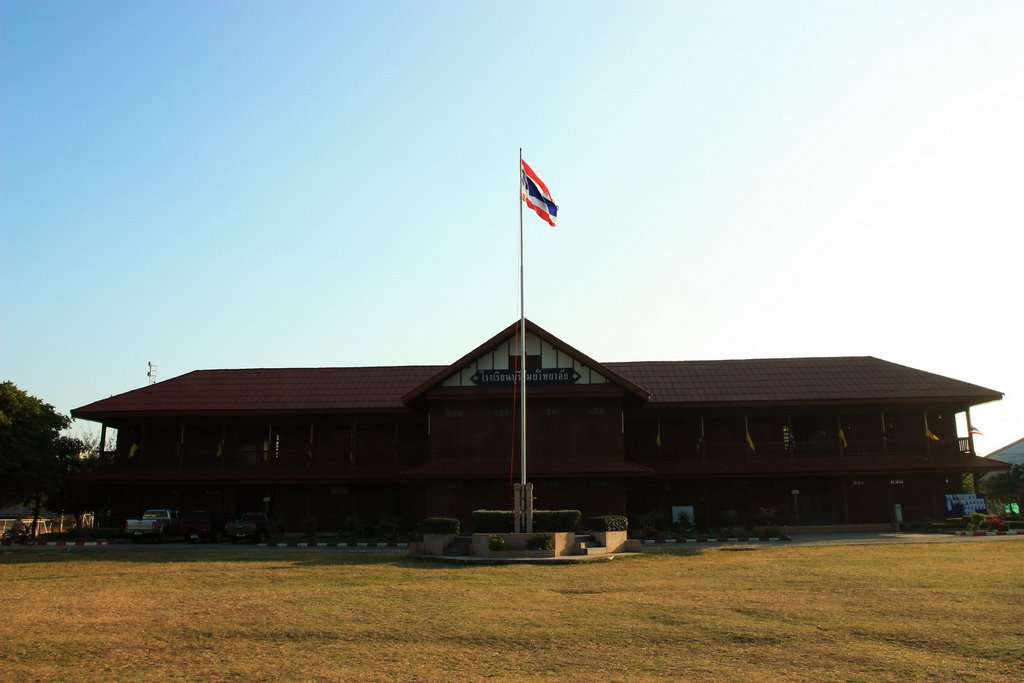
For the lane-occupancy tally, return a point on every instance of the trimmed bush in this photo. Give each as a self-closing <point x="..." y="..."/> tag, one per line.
<point x="608" y="523"/>
<point x="492" y="521"/>
<point x="503" y="521"/>
<point x="497" y="543"/>
<point x="556" y="520"/>
<point x="440" y="525"/>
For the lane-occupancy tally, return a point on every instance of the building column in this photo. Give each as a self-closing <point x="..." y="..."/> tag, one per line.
<point x="846" y="500"/>
<point x="970" y="430"/>
<point x="885" y="440"/>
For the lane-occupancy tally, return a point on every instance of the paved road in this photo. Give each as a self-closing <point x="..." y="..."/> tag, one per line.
<point x="797" y="539"/>
<point x="186" y="547"/>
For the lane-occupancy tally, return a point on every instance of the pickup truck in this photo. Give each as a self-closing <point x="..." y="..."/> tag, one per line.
<point x="160" y="524"/>
<point x="200" y="525"/>
<point x="254" y="525"/>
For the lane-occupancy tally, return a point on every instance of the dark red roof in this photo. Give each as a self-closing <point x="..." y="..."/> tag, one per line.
<point x="381" y="389"/>
<point x="268" y="390"/>
<point x="795" y="380"/>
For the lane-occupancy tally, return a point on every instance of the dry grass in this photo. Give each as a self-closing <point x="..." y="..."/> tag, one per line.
<point x="852" y="613"/>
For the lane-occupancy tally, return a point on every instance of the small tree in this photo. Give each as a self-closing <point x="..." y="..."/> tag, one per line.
<point x="1007" y="487"/>
<point x="36" y="460"/>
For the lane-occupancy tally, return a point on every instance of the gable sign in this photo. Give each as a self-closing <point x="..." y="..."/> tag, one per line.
<point x="541" y="377"/>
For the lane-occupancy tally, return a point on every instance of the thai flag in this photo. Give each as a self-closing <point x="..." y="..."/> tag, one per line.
<point x="536" y="195"/>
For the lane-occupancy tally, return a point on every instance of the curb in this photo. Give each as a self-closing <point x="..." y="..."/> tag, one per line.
<point x="1013" y="532"/>
<point x="307" y="544"/>
<point x="671" y="541"/>
<point x="74" y="543"/>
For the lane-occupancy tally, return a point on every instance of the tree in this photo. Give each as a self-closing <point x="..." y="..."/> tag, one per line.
<point x="36" y="460"/>
<point x="1006" y="487"/>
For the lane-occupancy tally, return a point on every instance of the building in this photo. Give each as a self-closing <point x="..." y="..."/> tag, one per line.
<point x="819" y="440"/>
<point x="1011" y="454"/>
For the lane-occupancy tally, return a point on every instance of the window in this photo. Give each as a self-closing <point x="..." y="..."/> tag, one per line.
<point x="452" y="413"/>
<point x="550" y="412"/>
<point x="502" y="412"/>
<point x="595" y="410"/>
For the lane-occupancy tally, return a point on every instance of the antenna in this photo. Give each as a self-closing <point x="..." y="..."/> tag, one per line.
<point x="152" y="372"/>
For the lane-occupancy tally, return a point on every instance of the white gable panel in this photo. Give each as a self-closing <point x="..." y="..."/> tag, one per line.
<point x="498" y="359"/>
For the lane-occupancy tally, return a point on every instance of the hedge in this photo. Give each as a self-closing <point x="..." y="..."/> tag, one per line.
<point x="608" y="523"/>
<point x="440" y="525"/>
<point x="556" y="520"/>
<point x="544" y="521"/>
<point x="492" y="521"/>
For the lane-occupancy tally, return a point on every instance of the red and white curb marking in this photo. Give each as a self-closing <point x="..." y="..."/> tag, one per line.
<point x="1012" y="532"/>
<point x="74" y="543"/>
<point x="669" y="541"/>
<point x="332" y="545"/>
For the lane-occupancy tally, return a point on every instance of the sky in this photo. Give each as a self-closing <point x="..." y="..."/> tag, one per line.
<point x="302" y="184"/>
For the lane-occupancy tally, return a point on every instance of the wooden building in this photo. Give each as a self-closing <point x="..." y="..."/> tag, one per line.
<point x="821" y="440"/>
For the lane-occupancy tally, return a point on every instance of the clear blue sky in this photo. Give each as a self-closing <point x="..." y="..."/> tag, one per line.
<point x="244" y="184"/>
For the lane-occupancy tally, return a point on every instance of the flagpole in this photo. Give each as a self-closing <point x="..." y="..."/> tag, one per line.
<point x="522" y="354"/>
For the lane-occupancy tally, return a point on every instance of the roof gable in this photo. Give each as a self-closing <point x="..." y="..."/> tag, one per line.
<point x="1011" y="453"/>
<point x="494" y="354"/>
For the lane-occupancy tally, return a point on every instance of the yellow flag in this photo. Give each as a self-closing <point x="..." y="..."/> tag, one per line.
<point x="220" y="449"/>
<point x="657" y="439"/>
<point x="131" y="451"/>
<point x="750" y="442"/>
<point x="928" y="434"/>
<point x="842" y="438"/>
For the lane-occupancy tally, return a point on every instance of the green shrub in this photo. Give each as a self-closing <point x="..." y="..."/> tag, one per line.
<point x="497" y="543"/>
<point x="503" y="521"/>
<point x="387" y="525"/>
<point x="540" y="542"/>
<point x="772" y="532"/>
<point x="492" y="521"/>
<point x="354" y="526"/>
<point x="730" y="518"/>
<point x="556" y="520"/>
<point x="440" y="525"/>
<point x="608" y="523"/>
<point x="648" y="523"/>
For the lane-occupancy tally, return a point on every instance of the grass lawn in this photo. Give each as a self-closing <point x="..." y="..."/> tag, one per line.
<point x="952" y="611"/>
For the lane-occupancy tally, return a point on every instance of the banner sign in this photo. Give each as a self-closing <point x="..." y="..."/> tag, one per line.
<point x="543" y="376"/>
<point x="963" y="504"/>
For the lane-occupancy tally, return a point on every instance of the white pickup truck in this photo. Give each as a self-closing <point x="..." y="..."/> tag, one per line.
<point x="160" y="524"/>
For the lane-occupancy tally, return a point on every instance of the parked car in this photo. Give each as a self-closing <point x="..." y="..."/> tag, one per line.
<point x="159" y="523"/>
<point x="250" y="525"/>
<point x="200" y="525"/>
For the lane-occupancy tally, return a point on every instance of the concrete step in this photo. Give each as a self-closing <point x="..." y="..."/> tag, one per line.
<point x="593" y="550"/>
<point x="461" y="546"/>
